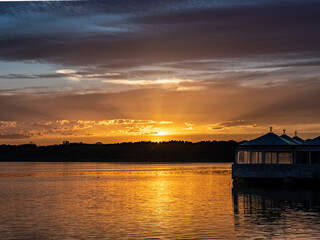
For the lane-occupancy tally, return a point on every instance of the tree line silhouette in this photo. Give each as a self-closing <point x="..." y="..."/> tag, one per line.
<point x="171" y="151"/>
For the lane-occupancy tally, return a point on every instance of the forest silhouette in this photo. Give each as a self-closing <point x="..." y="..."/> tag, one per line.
<point x="171" y="151"/>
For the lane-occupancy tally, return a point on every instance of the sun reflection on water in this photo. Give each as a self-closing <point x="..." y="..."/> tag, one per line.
<point x="143" y="201"/>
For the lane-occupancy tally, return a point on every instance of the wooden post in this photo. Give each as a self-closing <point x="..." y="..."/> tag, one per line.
<point x="294" y="156"/>
<point x="309" y="157"/>
<point x="236" y="158"/>
<point x="263" y="156"/>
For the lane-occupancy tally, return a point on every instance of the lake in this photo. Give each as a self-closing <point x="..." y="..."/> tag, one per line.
<point x="147" y="201"/>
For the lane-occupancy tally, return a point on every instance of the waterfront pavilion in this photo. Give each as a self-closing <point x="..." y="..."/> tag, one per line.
<point x="278" y="157"/>
<point x="267" y="149"/>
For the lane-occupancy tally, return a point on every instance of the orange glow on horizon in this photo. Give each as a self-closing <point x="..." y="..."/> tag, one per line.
<point x="133" y="130"/>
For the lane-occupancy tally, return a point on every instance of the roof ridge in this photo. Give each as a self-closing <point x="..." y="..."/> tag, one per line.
<point x="271" y="139"/>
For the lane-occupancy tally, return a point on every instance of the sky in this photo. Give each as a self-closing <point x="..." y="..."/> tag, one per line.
<point x="131" y="70"/>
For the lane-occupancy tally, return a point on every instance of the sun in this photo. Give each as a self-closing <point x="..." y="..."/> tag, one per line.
<point x="162" y="133"/>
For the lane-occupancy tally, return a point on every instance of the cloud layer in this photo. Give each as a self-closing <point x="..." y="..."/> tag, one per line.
<point x="225" y="67"/>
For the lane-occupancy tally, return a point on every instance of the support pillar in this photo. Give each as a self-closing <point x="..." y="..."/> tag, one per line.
<point x="263" y="157"/>
<point x="294" y="156"/>
<point x="309" y="157"/>
<point x="236" y="156"/>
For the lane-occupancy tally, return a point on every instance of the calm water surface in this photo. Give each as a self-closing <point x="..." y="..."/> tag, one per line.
<point x="147" y="201"/>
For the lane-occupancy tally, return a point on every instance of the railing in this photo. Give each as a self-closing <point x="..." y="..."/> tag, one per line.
<point x="299" y="171"/>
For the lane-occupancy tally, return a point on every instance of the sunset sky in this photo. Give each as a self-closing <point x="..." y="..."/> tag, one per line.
<point x="132" y="70"/>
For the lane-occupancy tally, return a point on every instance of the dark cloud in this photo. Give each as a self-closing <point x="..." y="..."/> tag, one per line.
<point x="146" y="7"/>
<point x="90" y="75"/>
<point x="301" y="63"/>
<point x="229" y="103"/>
<point x="166" y="35"/>
<point x="33" y="76"/>
<point x="14" y="136"/>
<point x="235" y="123"/>
<point x="229" y="64"/>
<point x="299" y="105"/>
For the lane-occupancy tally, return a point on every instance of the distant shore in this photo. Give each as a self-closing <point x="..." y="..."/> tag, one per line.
<point x="143" y="152"/>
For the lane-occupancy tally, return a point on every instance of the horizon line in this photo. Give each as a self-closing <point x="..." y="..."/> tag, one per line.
<point x="101" y="143"/>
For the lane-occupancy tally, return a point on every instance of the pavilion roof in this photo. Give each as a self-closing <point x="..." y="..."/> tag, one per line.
<point x="298" y="139"/>
<point x="290" y="139"/>
<point x="312" y="142"/>
<point x="269" y="139"/>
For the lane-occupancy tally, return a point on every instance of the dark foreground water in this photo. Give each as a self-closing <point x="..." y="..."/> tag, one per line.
<point x="145" y="201"/>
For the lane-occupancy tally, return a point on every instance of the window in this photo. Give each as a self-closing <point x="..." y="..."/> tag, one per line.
<point x="303" y="157"/>
<point x="256" y="157"/>
<point x="315" y="157"/>
<point x="247" y="157"/>
<point x="285" y="158"/>
<point x="271" y="157"/>
<point x="243" y="157"/>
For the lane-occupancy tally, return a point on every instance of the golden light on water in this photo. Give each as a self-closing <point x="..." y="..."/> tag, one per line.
<point x="144" y="201"/>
